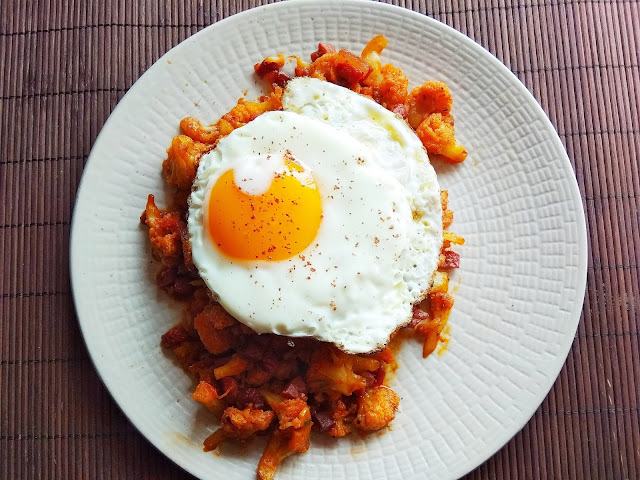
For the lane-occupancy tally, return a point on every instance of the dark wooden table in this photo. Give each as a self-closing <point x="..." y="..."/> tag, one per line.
<point x="65" y="65"/>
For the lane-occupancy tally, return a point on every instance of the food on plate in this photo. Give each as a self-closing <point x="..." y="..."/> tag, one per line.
<point x="307" y="230"/>
<point x="299" y="218"/>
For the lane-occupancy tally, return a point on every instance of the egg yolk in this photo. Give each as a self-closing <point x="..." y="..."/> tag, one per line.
<point x="276" y="225"/>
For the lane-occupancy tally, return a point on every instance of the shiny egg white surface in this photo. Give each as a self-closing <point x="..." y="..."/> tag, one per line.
<point x="321" y="220"/>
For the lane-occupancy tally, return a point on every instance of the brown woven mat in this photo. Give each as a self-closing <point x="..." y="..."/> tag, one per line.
<point x="64" y="66"/>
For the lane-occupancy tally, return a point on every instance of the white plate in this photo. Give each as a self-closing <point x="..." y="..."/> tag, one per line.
<point x="516" y="202"/>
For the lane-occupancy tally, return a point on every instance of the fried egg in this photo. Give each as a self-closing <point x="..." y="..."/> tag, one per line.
<point x="322" y="220"/>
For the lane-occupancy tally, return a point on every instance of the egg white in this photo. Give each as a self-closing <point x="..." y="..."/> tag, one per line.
<point x="378" y="242"/>
<point x="398" y="150"/>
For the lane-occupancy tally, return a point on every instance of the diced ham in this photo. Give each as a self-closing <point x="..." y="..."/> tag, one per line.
<point x="323" y="420"/>
<point x="174" y="337"/>
<point x="418" y="316"/>
<point x="322" y="49"/>
<point x="401" y="111"/>
<point x="352" y="69"/>
<point x="229" y="387"/>
<point x="253" y="352"/>
<point x="269" y="70"/>
<point x="249" y="396"/>
<point x="451" y="260"/>
<point x="176" y="281"/>
<point x="266" y="66"/>
<point x="379" y="375"/>
<point x="270" y="362"/>
<point x="296" y="388"/>
<point x="279" y="79"/>
<point x="369" y="378"/>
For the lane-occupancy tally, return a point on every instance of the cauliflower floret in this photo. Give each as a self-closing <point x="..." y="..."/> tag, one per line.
<point x="429" y="114"/>
<point x="183" y="156"/>
<point x="376" y="408"/>
<point x="165" y="233"/>
<point x="239" y="425"/>
<point x="338" y="414"/>
<point x="292" y="436"/>
<point x="242" y="424"/>
<point x="245" y="111"/>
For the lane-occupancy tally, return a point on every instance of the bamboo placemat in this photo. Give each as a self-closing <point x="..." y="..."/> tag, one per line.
<point x="65" y="65"/>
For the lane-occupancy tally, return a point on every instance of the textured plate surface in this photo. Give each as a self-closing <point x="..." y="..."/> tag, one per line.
<point x="516" y="203"/>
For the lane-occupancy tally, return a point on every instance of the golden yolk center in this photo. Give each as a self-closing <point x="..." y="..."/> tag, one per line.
<point x="276" y="225"/>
